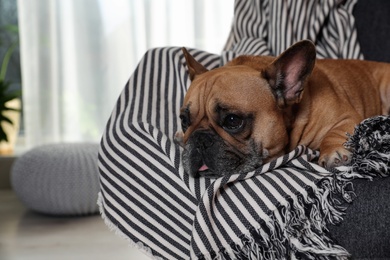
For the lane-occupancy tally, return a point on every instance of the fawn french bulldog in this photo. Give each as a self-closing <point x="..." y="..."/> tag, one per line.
<point x="256" y="108"/>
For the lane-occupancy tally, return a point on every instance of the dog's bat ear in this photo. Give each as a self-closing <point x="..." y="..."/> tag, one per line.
<point x="194" y="67"/>
<point x="288" y="73"/>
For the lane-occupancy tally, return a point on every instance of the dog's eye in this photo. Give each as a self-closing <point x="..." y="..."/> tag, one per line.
<point x="185" y="122"/>
<point x="233" y="123"/>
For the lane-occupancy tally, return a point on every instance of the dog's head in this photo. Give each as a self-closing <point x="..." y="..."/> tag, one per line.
<point x="234" y="117"/>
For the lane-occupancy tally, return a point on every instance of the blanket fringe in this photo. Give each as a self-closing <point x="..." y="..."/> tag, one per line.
<point x="370" y="144"/>
<point x="112" y="227"/>
<point x="298" y="230"/>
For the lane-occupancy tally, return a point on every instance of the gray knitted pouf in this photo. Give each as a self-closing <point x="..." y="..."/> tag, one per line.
<point x="58" y="179"/>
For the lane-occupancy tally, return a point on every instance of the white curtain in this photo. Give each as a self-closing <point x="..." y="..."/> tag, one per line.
<point x="78" y="54"/>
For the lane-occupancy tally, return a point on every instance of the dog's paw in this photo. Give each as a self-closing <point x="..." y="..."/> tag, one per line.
<point x="338" y="157"/>
<point x="178" y="138"/>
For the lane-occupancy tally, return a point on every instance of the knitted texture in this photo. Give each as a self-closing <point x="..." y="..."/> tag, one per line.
<point x="370" y="144"/>
<point x="58" y="179"/>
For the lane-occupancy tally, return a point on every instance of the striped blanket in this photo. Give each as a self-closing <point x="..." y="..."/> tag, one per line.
<point x="279" y="211"/>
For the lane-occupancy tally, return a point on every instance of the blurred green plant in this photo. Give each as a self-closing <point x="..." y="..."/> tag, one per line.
<point x="6" y="93"/>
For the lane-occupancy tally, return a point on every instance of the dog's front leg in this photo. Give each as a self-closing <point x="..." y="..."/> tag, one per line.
<point x="332" y="150"/>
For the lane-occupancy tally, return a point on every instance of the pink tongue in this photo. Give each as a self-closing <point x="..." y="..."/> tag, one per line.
<point x="203" y="168"/>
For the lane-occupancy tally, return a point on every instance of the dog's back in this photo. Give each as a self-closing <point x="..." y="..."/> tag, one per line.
<point x="381" y="73"/>
<point x="364" y="85"/>
<point x="368" y="79"/>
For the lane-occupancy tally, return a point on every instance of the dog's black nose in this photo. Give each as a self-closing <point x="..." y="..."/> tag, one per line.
<point x="204" y="140"/>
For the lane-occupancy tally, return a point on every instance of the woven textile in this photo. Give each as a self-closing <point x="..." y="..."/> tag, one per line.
<point x="279" y="211"/>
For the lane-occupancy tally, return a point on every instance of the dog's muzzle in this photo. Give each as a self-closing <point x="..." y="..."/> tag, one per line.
<point x="200" y="153"/>
<point x="206" y="154"/>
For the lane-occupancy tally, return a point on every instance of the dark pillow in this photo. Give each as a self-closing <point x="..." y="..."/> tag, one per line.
<point x="373" y="27"/>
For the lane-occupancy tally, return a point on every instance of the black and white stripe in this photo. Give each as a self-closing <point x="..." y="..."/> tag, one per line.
<point x="270" y="27"/>
<point x="145" y="194"/>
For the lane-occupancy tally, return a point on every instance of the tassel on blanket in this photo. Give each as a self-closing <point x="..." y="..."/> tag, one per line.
<point x="297" y="230"/>
<point x="370" y="144"/>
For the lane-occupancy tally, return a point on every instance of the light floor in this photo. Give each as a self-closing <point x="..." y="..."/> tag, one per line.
<point x="26" y="235"/>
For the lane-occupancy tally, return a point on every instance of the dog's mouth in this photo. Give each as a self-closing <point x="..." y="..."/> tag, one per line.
<point x="207" y="155"/>
<point x="207" y="166"/>
<point x="205" y="171"/>
<point x="203" y="168"/>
